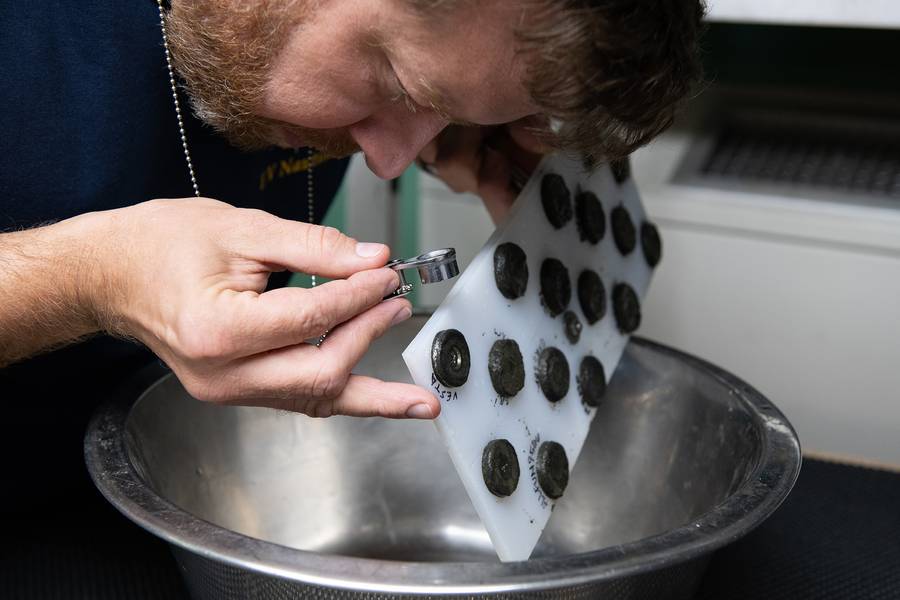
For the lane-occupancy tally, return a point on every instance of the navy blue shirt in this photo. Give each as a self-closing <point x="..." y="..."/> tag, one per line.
<point x="87" y="123"/>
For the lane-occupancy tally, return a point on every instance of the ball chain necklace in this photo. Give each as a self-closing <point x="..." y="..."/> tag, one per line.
<point x="310" y="191"/>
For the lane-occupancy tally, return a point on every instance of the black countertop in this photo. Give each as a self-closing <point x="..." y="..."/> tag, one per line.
<point x="837" y="536"/>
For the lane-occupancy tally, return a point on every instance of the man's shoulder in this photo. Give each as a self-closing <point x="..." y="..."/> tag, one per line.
<point x="89" y="123"/>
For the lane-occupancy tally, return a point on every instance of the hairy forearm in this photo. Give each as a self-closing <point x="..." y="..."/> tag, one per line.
<point x="47" y="280"/>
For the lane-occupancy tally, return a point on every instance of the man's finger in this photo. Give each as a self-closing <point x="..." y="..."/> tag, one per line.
<point x="361" y="397"/>
<point x="370" y="397"/>
<point x="304" y="373"/>
<point x="347" y="344"/>
<point x="495" y="184"/>
<point x="288" y="316"/>
<point x="458" y="157"/>
<point x="306" y="248"/>
<point x="429" y="152"/>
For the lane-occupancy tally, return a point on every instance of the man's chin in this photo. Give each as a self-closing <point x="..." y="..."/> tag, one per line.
<point x="289" y="138"/>
<point x="331" y="154"/>
<point x="332" y="147"/>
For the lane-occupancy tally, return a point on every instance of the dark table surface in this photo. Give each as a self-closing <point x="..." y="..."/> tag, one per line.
<point x="836" y="536"/>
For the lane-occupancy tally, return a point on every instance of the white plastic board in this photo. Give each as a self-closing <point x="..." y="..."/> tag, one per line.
<point x="473" y="414"/>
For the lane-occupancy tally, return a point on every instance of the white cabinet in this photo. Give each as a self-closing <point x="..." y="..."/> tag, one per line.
<point x="801" y="298"/>
<point x="834" y="13"/>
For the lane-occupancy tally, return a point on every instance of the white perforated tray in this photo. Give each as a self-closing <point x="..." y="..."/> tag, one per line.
<point x="473" y="414"/>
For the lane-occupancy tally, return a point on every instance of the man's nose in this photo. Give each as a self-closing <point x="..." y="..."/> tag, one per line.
<point x="393" y="137"/>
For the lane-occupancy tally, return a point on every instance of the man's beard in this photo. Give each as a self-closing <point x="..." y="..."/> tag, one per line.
<point x="224" y="51"/>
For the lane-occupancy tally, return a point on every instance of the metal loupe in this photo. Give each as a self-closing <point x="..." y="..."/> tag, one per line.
<point x="433" y="266"/>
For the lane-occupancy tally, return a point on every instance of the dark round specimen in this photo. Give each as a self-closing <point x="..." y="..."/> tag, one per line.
<point x="650" y="243"/>
<point x="552" y="469"/>
<point x="506" y="368"/>
<point x="626" y="307"/>
<point x="623" y="230"/>
<point x="589" y="217"/>
<point x="591" y="381"/>
<point x="555" y="286"/>
<point x="556" y="200"/>
<point x="591" y="296"/>
<point x="621" y="170"/>
<point x="553" y="373"/>
<point x="572" y="326"/>
<point x="500" y="467"/>
<point x="510" y="270"/>
<point x="450" y="358"/>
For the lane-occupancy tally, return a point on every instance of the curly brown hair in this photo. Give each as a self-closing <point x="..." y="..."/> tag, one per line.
<point x="613" y="73"/>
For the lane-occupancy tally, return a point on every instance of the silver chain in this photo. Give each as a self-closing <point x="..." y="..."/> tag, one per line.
<point x="310" y="190"/>
<point x="310" y="199"/>
<point x="184" y="144"/>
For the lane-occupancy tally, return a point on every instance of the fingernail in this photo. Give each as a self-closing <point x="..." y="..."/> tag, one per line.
<point x="419" y="411"/>
<point x="368" y="249"/>
<point x="402" y="315"/>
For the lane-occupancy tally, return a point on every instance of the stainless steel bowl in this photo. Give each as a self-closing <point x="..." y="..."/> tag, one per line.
<point x="682" y="459"/>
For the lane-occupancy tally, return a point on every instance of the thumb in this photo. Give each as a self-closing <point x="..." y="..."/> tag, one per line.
<point x="312" y="249"/>
<point x="495" y="185"/>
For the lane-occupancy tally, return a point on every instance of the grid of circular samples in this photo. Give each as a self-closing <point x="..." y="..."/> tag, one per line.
<point x="520" y="351"/>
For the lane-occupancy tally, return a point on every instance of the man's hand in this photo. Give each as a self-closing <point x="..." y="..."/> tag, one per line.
<point x="491" y="162"/>
<point x="187" y="277"/>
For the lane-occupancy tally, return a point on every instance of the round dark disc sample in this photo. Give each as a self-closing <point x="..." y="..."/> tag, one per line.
<point x="450" y="359"/>
<point x="650" y="243"/>
<point x="553" y="373"/>
<point x="591" y="296"/>
<point x="506" y="368"/>
<point x="572" y="326"/>
<point x="621" y="170"/>
<point x="623" y="230"/>
<point x="500" y="467"/>
<point x="556" y="199"/>
<point x="552" y="469"/>
<point x="591" y="381"/>
<point x="626" y="307"/>
<point x="555" y="286"/>
<point x="510" y="270"/>
<point x="589" y="217"/>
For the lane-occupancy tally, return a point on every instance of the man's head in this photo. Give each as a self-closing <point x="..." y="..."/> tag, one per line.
<point x="387" y="76"/>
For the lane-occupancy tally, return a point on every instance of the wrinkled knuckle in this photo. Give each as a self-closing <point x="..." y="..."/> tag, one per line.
<point x="328" y="382"/>
<point x="365" y="290"/>
<point x="255" y="216"/>
<point x="205" y="344"/>
<point x="331" y="236"/>
<point x="254" y="222"/>
<point x="323" y="409"/>
<point x="204" y="390"/>
<point x="327" y="239"/>
<point x="314" y="319"/>
<point x="299" y="404"/>
<point x="381" y="408"/>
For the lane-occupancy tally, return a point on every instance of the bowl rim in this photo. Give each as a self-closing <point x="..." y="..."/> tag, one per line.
<point x="764" y="489"/>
